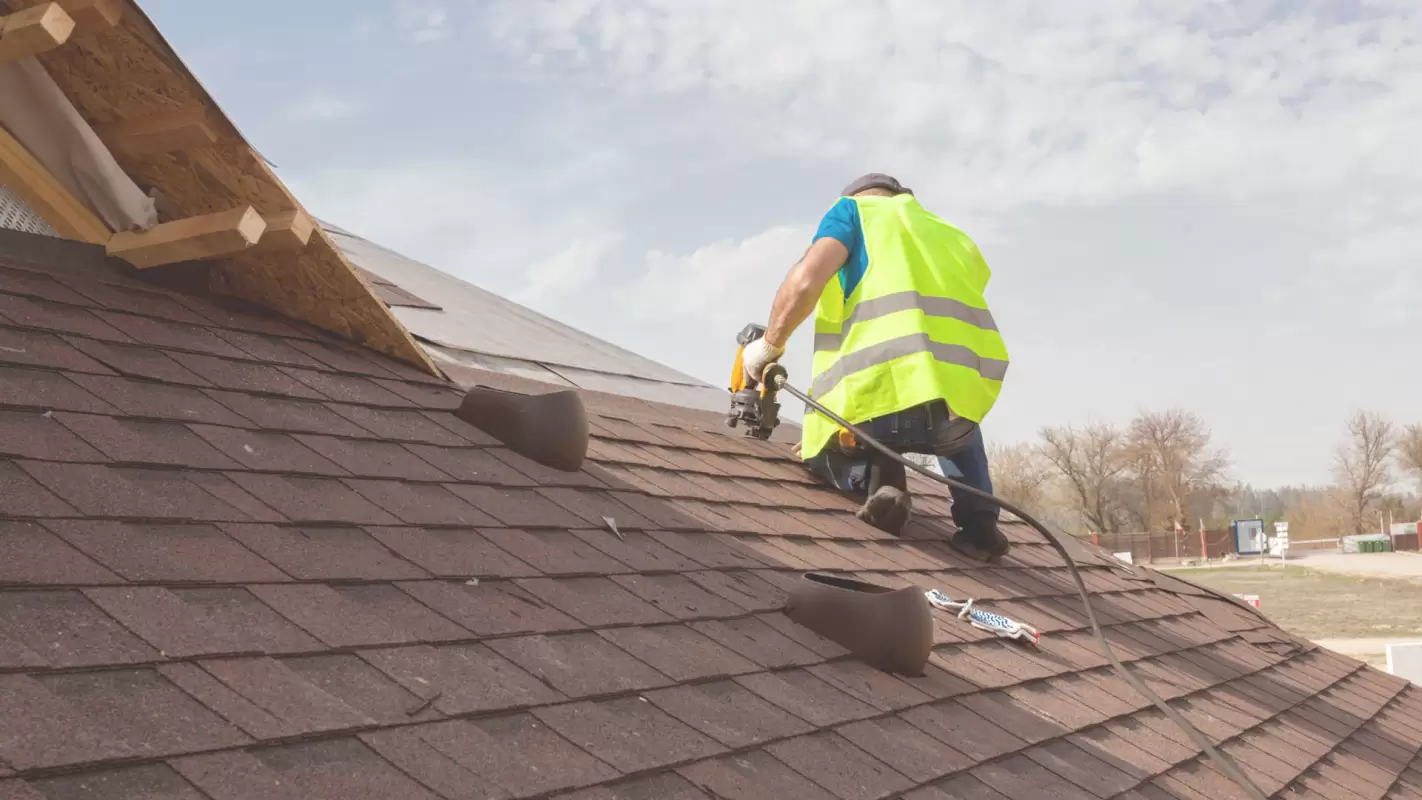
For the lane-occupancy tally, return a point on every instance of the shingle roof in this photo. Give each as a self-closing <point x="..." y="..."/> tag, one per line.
<point x="241" y="560"/>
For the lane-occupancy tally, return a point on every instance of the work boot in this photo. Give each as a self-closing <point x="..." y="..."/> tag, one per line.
<point x="980" y="538"/>
<point x="888" y="509"/>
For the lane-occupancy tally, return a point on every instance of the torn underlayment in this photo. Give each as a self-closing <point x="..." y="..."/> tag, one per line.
<point x="41" y="117"/>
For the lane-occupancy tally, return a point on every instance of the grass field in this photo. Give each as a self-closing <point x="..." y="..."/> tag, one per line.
<point x="1324" y="605"/>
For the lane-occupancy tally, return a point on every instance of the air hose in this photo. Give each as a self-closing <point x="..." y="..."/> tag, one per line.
<point x="1221" y="760"/>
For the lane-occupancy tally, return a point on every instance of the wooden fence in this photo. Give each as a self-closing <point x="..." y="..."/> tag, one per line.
<point x="1148" y="547"/>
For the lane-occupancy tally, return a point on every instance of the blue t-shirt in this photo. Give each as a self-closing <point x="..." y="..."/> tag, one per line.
<point x="842" y="224"/>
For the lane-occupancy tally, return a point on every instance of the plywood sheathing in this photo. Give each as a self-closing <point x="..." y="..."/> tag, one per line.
<point x="129" y="72"/>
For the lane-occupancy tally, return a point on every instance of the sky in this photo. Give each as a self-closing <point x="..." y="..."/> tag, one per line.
<point x="1205" y="205"/>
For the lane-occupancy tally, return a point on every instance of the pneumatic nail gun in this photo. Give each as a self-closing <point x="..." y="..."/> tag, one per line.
<point x="753" y="404"/>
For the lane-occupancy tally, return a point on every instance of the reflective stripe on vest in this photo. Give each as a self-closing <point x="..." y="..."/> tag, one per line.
<point x="944" y="307"/>
<point x="884" y="352"/>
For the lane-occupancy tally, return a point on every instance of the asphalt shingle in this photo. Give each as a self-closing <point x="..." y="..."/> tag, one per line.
<point x="241" y="559"/>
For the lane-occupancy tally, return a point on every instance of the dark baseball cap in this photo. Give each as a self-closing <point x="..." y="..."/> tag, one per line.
<point x="875" y="180"/>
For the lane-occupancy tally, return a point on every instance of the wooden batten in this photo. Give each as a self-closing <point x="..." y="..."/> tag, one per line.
<point x="93" y="16"/>
<point x="286" y="230"/>
<point x="219" y="235"/>
<point x="166" y="132"/>
<point x="33" y="31"/>
<point x="31" y="182"/>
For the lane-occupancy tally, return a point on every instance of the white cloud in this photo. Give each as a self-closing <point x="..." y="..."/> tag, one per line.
<point x="1019" y="101"/>
<point x="366" y="25"/>
<point x="320" y="107"/>
<point x="717" y="282"/>
<point x="567" y="271"/>
<point x="691" y="306"/>
<point x="422" y="21"/>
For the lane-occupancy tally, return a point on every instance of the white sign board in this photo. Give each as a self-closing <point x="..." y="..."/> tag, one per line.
<point x="1405" y="661"/>
<point x="1279" y="542"/>
<point x="1126" y="557"/>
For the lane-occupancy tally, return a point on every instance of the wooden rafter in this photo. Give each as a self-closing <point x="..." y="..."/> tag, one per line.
<point x="184" y="129"/>
<point x="34" y="31"/>
<point x="93" y="16"/>
<point x="286" y="230"/>
<point x="217" y="235"/>
<point x="31" y="182"/>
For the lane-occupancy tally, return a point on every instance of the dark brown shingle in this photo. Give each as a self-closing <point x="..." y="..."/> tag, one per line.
<point x="240" y="560"/>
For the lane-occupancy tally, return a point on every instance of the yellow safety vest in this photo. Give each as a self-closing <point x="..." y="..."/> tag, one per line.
<point x="915" y="329"/>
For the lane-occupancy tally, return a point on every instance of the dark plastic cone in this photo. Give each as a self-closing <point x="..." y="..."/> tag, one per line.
<point x="551" y="429"/>
<point x="888" y="629"/>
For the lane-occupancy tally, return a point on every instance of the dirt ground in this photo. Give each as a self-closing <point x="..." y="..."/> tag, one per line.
<point x="1358" y="615"/>
<point x="1379" y="564"/>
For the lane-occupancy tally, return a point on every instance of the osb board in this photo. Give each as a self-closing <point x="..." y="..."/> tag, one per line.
<point x="130" y="71"/>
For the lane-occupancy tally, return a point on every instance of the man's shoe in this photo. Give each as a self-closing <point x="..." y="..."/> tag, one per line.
<point x="888" y="509"/>
<point x="983" y="542"/>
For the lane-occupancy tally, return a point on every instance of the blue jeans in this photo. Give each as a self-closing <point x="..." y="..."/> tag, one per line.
<point x="958" y="444"/>
<point x="970" y="465"/>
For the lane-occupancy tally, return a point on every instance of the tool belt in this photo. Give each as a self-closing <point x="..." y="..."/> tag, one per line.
<point x="912" y="430"/>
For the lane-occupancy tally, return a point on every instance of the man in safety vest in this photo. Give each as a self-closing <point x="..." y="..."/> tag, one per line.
<point x="905" y="348"/>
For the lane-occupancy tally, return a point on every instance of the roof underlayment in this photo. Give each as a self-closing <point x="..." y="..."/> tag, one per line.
<point x="472" y="327"/>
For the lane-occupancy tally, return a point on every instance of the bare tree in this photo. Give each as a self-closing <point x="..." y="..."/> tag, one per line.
<point x="1140" y="499"/>
<point x="1361" y="463"/>
<point x="1409" y="452"/>
<point x="1174" y="462"/>
<point x="1091" y="461"/>
<point x="1020" y="474"/>
<point x="1320" y="514"/>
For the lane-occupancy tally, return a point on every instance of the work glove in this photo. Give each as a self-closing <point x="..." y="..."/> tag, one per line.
<point x="758" y="355"/>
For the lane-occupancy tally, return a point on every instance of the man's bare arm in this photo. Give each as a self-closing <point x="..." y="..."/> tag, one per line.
<point x="797" y="296"/>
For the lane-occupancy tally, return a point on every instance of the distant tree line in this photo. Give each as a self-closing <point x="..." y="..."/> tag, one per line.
<point x="1162" y="471"/>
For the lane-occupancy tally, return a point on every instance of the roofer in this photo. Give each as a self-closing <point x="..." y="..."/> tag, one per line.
<point x="905" y="348"/>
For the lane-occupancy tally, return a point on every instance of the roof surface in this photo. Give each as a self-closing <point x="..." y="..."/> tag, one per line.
<point x="241" y="560"/>
<point x="463" y="324"/>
